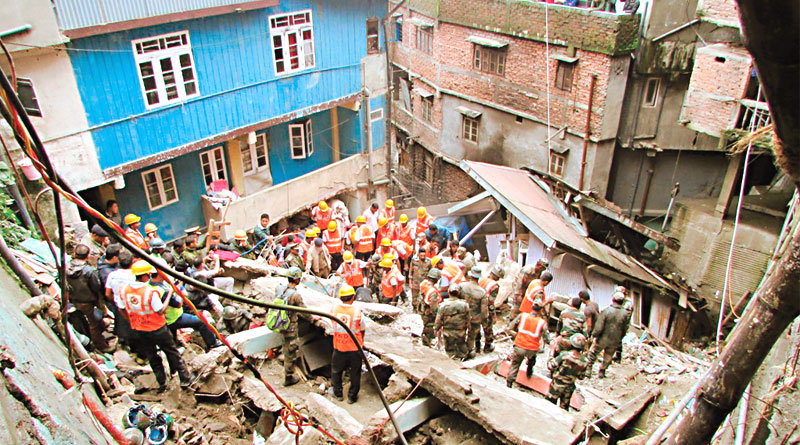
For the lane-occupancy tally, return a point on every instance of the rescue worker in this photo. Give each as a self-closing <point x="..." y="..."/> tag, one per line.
<point x="241" y="246"/>
<point x="591" y="311"/>
<point x="566" y="368"/>
<point x="144" y="306"/>
<point x="150" y="232"/>
<point x="386" y="248"/>
<point x="438" y="236"/>
<point x="430" y="299"/>
<point x="191" y="251"/>
<point x="475" y="296"/>
<point x="318" y="260"/>
<point x="292" y="297"/>
<point x="385" y="230"/>
<point x="115" y="281"/>
<point x="178" y="247"/>
<point x="424" y="221"/>
<point x="236" y="320"/>
<point x="261" y="230"/>
<point x="96" y="240"/>
<point x="391" y="282"/>
<point x="374" y="275"/>
<point x="157" y="247"/>
<point x="305" y="244"/>
<point x="466" y="258"/>
<point x="322" y="215"/>
<point x="530" y="334"/>
<point x="334" y="241"/>
<point x="352" y="270"/>
<point x="452" y="323"/>
<point x="451" y="251"/>
<point x="132" y="232"/>
<point x="403" y="251"/>
<point x="88" y="303"/>
<point x="628" y="306"/>
<point x="535" y="292"/>
<point x="529" y="273"/>
<point x="293" y="258"/>
<point x="364" y="239"/>
<point x="608" y="332"/>
<point x="451" y="273"/>
<point x="571" y="321"/>
<point x="345" y="352"/>
<point x="371" y="216"/>
<point x="404" y="231"/>
<point x="492" y="287"/>
<point x="418" y="270"/>
<point x="387" y="211"/>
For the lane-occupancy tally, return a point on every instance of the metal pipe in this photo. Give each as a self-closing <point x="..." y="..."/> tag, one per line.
<point x="367" y="138"/>
<point x="17" y="30"/>
<point x="678" y="29"/>
<point x="655" y="438"/>
<point x="647" y="182"/>
<point x="476" y="228"/>
<point x="587" y="129"/>
<point x="741" y="426"/>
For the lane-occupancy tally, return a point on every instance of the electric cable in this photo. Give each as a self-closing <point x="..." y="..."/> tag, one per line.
<point x="34" y="148"/>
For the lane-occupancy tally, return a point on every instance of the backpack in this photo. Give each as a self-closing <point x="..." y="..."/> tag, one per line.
<point x="278" y="319"/>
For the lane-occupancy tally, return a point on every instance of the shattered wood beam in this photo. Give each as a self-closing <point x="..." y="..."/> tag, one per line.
<point x="655" y="235"/>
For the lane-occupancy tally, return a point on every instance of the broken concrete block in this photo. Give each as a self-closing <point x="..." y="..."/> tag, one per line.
<point x="282" y="436"/>
<point x="336" y="420"/>
<point x="398" y="388"/>
<point x="255" y="341"/>
<point x="412" y="414"/>
<point x="317" y="353"/>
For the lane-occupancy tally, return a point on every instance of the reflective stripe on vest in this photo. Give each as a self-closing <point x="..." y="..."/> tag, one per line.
<point x="423" y="223"/>
<point x="453" y="273"/>
<point x="405" y="234"/>
<point x="351" y="316"/>
<point x="527" y="302"/>
<point x="137" y="238"/>
<point x="365" y="244"/>
<point x="322" y="218"/>
<point x="386" y="231"/>
<point x="489" y="285"/>
<point x="138" y="305"/>
<point x="428" y="290"/>
<point x="529" y="332"/>
<point x="402" y="248"/>
<point x="333" y="240"/>
<point x="389" y="291"/>
<point x="353" y="274"/>
<point x="387" y="213"/>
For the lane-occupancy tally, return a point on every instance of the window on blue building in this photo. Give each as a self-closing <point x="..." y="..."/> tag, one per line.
<point x="292" y="41"/>
<point x="213" y="164"/>
<point x="254" y="156"/>
<point x="301" y="141"/>
<point x="373" y="45"/>
<point x="159" y="186"/>
<point x="166" y="68"/>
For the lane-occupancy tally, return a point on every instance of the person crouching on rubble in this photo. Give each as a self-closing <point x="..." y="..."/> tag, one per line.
<point x="530" y="334"/>
<point x="567" y="367"/>
<point x="345" y="351"/>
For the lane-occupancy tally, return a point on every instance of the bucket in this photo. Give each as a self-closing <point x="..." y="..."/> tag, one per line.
<point x="29" y="170"/>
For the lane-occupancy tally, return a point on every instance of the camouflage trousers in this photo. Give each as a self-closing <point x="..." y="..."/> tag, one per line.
<point x="607" y="356"/>
<point x="517" y="357"/>
<point x="561" y="391"/>
<point x="416" y="300"/>
<point x="454" y="344"/>
<point x="289" y="353"/>
<point x="488" y="329"/>
<point x="428" y="320"/>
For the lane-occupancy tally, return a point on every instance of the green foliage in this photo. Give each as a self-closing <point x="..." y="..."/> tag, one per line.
<point x="10" y="228"/>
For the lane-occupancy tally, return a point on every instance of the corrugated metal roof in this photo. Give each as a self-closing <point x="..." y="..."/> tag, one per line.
<point x="544" y="216"/>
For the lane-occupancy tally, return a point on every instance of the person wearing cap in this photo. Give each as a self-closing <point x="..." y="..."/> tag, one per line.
<point x="452" y="323"/>
<point x="293" y="258"/>
<point x="305" y="245"/>
<point x="611" y="326"/>
<point x="190" y="250"/>
<point x="322" y="214"/>
<point x="567" y="367"/>
<point x="535" y="292"/>
<point x="570" y="321"/>
<point x="385" y="229"/>
<point x="403" y="252"/>
<point x="530" y="335"/>
<point x="144" y="306"/>
<point x="352" y="270"/>
<point x="96" y="240"/>
<point x="451" y="273"/>
<point x="333" y="236"/>
<point x="364" y="238"/>
<point x="385" y="248"/>
<point x="132" y="232"/>
<point x="241" y="246"/>
<point x="430" y="299"/>
<point x="492" y="287"/>
<point x="371" y="216"/>
<point x="261" y="230"/>
<point x="290" y="296"/>
<point x="345" y="351"/>
<point x="475" y="296"/>
<point x="114" y="282"/>
<point x="318" y="260"/>
<point x="88" y="303"/>
<point x="150" y="232"/>
<point x="424" y="220"/>
<point x="236" y="320"/>
<point x="157" y="247"/>
<point x="403" y="230"/>
<point x="391" y="282"/>
<point x="418" y="268"/>
<point x="387" y="211"/>
<point x="374" y="275"/>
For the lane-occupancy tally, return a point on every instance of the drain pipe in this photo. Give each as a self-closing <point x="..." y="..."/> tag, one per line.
<point x="587" y="129"/>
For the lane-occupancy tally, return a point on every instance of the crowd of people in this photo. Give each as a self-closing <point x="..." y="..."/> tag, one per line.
<point x="380" y="257"/>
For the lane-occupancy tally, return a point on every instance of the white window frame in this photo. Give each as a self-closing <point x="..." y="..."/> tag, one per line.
<point x="172" y="47"/>
<point x="160" y="183"/>
<point x="251" y="152"/>
<point x="427" y="108"/>
<point x="306" y="142"/>
<point x="209" y="157"/>
<point x="557" y="164"/>
<point x="656" y="82"/>
<point x="376" y="115"/>
<point x="281" y="26"/>
<point x="467" y="133"/>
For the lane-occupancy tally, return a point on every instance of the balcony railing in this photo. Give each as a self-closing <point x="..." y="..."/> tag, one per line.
<point x="753" y="115"/>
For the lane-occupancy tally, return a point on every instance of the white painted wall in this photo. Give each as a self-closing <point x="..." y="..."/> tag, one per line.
<point x="37" y="13"/>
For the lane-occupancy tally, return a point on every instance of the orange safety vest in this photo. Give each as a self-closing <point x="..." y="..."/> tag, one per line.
<point x="423" y="223"/>
<point x="138" y="298"/>
<point x="527" y="302"/>
<point x="367" y="236"/>
<point x="383" y="250"/>
<point x="351" y="316"/>
<point x="433" y="250"/>
<point x="137" y="238"/>
<point x="304" y="247"/>
<point x="489" y="285"/>
<point x="386" y="231"/>
<point x="333" y="240"/>
<point x="353" y="273"/>
<point x="529" y="332"/>
<point x="389" y="291"/>
<point x="322" y="218"/>
<point x="402" y="248"/>
<point x="428" y="290"/>
<point x="405" y="234"/>
<point x="387" y="213"/>
<point x="351" y="234"/>
<point x="452" y="272"/>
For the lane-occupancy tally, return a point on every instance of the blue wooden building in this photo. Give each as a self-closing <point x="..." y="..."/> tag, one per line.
<point x="184" y="94"/>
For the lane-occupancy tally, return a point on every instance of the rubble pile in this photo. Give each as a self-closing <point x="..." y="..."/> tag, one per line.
<point x="658" y="363"/>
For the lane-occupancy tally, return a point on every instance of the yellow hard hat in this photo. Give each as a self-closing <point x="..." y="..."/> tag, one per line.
<point x="386" y="242"/>
<point x="240" y="235"/>
<point x="150" y="227"/>
<point x="142" y="267"/>
<point x="323" y="206"/>
<point x="386" y="262"/>
<point x="403" y="218"/>
<point x="130" y="218"/>
<point x="347" y="257"/>
<point x="361" y="219"/>
<point x="346" y="291"/>
<point x="389" y="256"/>
<point x="310" y="233"/>
<point x="332" y="226"/>
<point x="421" y="212"/>
<point x="389" y="203"/>
<point x="317" y="230"/>
<point x="435" y="260"/>
<point x="382" y="221"/>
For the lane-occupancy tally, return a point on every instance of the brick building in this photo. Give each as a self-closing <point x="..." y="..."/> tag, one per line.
<point x="478" y="80"/>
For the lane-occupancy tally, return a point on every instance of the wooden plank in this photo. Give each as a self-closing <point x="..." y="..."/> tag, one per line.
<point x="631" y="409"/>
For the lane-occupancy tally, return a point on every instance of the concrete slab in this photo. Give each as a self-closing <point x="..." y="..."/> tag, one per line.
<point x="538" y="383"/>
<point x="255" y="341"/>
<point x="317" y="353"/>
<point x="335" y="419"/>
<point x="630" y="409"/>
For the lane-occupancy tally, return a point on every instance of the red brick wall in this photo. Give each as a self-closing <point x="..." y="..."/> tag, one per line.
<point x="719" y="11"/>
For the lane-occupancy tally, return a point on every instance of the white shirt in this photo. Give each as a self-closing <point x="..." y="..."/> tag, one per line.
<point x="372" y="218"/>
<point x="116" y="280"/>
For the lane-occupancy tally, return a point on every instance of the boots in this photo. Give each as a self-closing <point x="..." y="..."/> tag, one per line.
<point x="488" y="347"/>
<point x="529" y="370"/>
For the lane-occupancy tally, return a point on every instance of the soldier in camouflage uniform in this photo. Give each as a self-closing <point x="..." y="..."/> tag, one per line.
<point x="492" y="287"/>
<point x="374" y="275"/>
<point x="529" y="273"/>
<point x="628" y="306"/>
<point x="293" y="259"/>
<point x="570" y="322"/>
<point x="567" y="367"/>
<point x="475" y="296"/>
<point x="419" y="266"/>
<point x="611" y="327"/>
<point x="466" y="258"/>
<point x="291" y="297"/>
<point x="430" y="299"/>
<point x="452" y="323"/>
